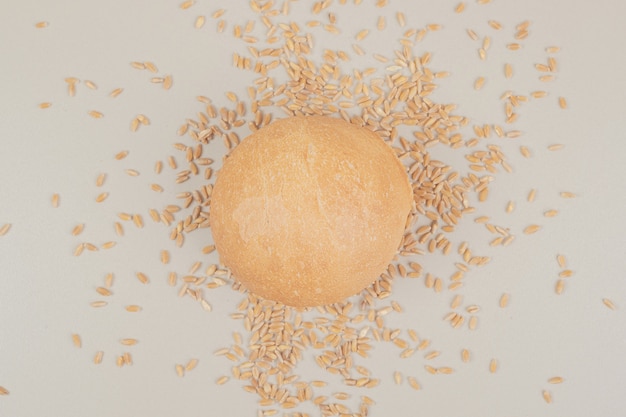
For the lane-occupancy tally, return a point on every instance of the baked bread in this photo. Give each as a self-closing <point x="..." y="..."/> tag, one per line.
<point x="309" y="210"/>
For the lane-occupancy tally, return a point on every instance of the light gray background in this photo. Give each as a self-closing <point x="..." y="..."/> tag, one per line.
<point x="45" y="292"/>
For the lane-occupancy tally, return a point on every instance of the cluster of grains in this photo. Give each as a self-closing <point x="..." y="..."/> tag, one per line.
<point x="547" y="394"/>
<point x="181" y="369"/>
<point x="396" y="104"/>
<point x="564" y="273"/>
<point x="297" y="77"/>
<point x="279" y="337"/>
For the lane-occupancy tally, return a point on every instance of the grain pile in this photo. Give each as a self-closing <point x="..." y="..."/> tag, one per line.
<point x="296" y="76"/>
<point x="394" y="103"/>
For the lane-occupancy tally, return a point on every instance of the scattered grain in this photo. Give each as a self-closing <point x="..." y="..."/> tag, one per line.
<point x="547" y="396"/>
<point x="100" y="180"/>
<point x="79" y="249"/>
<point x="533" y="228"/>
<point x="187" y="4"/>
<point x="138" y="220"/>
<point x="199" y="22"/>
<point x="609" y="303"/>
<point x="559" y="287"/>
<point x="191" y="365"/>
<point x="472" y="323"/>
<point x="552" y="65"/>
<point x="96" y="114"/>
<point x="397" y="377"/>
<point x="109" y="244"/>
<point x="504" y="300"/>
<point x="71" y="86"/>
<point x="103" y="291"/>
<point x="566" y="273"/>
<point x="555" y="380"/>
<point x="275" y="347"/>
<point x="401" y="19"/>
<point x="208" y="249"/>
<point x="167" y="82"/>
<point x="508" y="71"/>
<point x="381" y="23"/>
<point x="539" y="94"/>
<point x="134" y="124"/>
<point x="362" y="34"/>
<point x="150" y="66"/>
<point x="550" y="213"/>
<point x="5" y="229"/>
<point x="99" y="304"/>
<point x="143" y="278"/>
<point x="108" y="280"/>
<point x="172" y="278"/>
<point x="495" y="24"/>
<point x="205" y="305"/>
<point x="413" y="383"/>
<point x="76" y="340"/>
<point x="486" y="43"/>
<point x="493" y="366"/>
<point x="143" y="119"/>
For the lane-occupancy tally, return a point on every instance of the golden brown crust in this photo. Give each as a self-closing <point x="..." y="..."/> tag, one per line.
<point x="309" y="210"/>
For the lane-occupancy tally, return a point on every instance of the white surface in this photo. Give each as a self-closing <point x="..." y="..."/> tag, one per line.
<point x="45" y="291"/>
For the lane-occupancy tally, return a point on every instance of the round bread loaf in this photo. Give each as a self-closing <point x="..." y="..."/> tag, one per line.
<point x="309" y="210"/>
